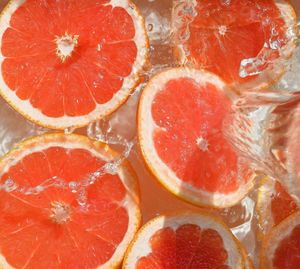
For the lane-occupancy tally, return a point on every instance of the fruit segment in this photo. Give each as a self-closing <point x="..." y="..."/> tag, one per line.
<point x="181" y="118"/>
<point x="66" y="63"/>
<point x="281" y="248"/>
<point x="197" y="241"/>
<point x="241" y="40"/>
<point x="52" y="228"/>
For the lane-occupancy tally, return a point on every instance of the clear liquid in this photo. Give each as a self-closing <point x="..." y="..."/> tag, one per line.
<point x="119" y="129"/>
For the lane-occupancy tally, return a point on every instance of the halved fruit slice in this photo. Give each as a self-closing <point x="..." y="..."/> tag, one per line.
<point x="180" y="128"/>
<point x="184" y="241"/>
<point x="240" y="40"/>
<point x="274" y="204"/>
<point x="66" y="63"/>
<point x="52" y="229"/>
<point x="281" y="248"/>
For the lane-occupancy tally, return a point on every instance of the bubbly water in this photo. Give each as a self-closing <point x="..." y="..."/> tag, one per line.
<point x="167" y="23"/>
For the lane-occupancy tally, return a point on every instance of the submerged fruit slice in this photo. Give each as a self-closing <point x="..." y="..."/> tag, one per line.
<point x="274" y="204"/>
<point x="180" y="128"/>
<point x="281" y="248"/>
<point x="52" y="229"/>
<point x="240" y="40"/>
<point x="184" y="241"/>
<point x="248" y="262"/>
<point x="66" y="63"/>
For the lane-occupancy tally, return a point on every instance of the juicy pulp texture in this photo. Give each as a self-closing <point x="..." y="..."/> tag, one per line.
<point x="88" y="236"/>
<point x="189" y="137"/>
<point x="188" y="246"/>
<point x="287" y="254"/>
<point x="224" y="33"/>
<point x="94" y="72"/>
<point x="282" y="204"/>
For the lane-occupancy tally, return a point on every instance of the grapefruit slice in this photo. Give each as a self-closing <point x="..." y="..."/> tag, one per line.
<point x="248" y="263"/>
<point x="184" y="241"/>
<point x="274" y="204"/>
<point x="52" y="229"/>
<point x="240" y="40"/>
<point x="281" y="248"/>
<point x="180" y="122"/>
<point x="67" y="63"/>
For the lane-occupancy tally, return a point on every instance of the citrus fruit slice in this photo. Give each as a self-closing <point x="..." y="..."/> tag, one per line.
<point x="281" y="248"/>
<point x="274" y="204"/>
<point x="52" y="229"/>
<point x="180" y="122"/>
<point x="66" y="63"/>
<point x="292" y="181"/>
<point x="184" y="241"/>
<point x="241" y="40"/>
<point x="248" y="262"/>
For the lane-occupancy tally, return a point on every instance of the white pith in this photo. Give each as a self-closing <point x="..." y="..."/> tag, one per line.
<point x="265" y="193"/>
<point x="277" y="234"/>
<point x="147" y="126"/>
<point x="101" y="110"/>
<point x="130" y="202"/>
<point x="141" y="245"/>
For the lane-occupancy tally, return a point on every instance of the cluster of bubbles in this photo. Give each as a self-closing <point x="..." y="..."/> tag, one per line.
<point x="78" y="186"/>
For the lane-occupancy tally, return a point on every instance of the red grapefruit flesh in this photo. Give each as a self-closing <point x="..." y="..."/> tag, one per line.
<point x="184" y="241"/>
<point x="181" y="118"/>
<point x="66" y="63"/>
<point x="52" y="229"/>
<point x="274" y="204"/>
<point x="282" y="204"/>
<point x="281" y="248"/>
<point x="240" y="39"/>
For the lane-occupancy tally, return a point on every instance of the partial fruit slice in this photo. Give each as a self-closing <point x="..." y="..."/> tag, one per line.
<point x="292" y="182"/>
<point x="248" y="262"/>
<point x="66" y="63"/>
<point x="281" y="248"/>
<point x="274" y="204"/>
<point x="180" y="127"/>
<point x="184" y="241"/>
<point x="241" y="40"/>
<point x="52" y="229"/>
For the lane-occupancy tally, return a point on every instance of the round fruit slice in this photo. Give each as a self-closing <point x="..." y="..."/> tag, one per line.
<point x="67" y="63"/>
<point x="53" y="228"/>
<point x="240" y="40"/>
<point x="180" y="122"/>
<point x="274" y="204"/>
<point x="281" y="248"/>
<point x="184" y="241"/>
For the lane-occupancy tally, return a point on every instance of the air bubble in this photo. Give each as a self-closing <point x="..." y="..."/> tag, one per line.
<point x="73" y="186"/>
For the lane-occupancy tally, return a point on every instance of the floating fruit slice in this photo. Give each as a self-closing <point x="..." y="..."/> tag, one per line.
<point x="66" y="63"/>
<point x="292" y="182"/>
<point x="184" y="241"/>
<point x="240" y="40"/>
<point x="248" y="262"/>
<point x="274" y="204"/>
<point x="281" y="248"/>
<point x="180" y="122"/>
<point x="54" y="228"/>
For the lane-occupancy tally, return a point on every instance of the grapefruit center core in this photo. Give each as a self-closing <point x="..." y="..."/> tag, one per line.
<point x="60" y="212"/>
<point x="65" y="45"/>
